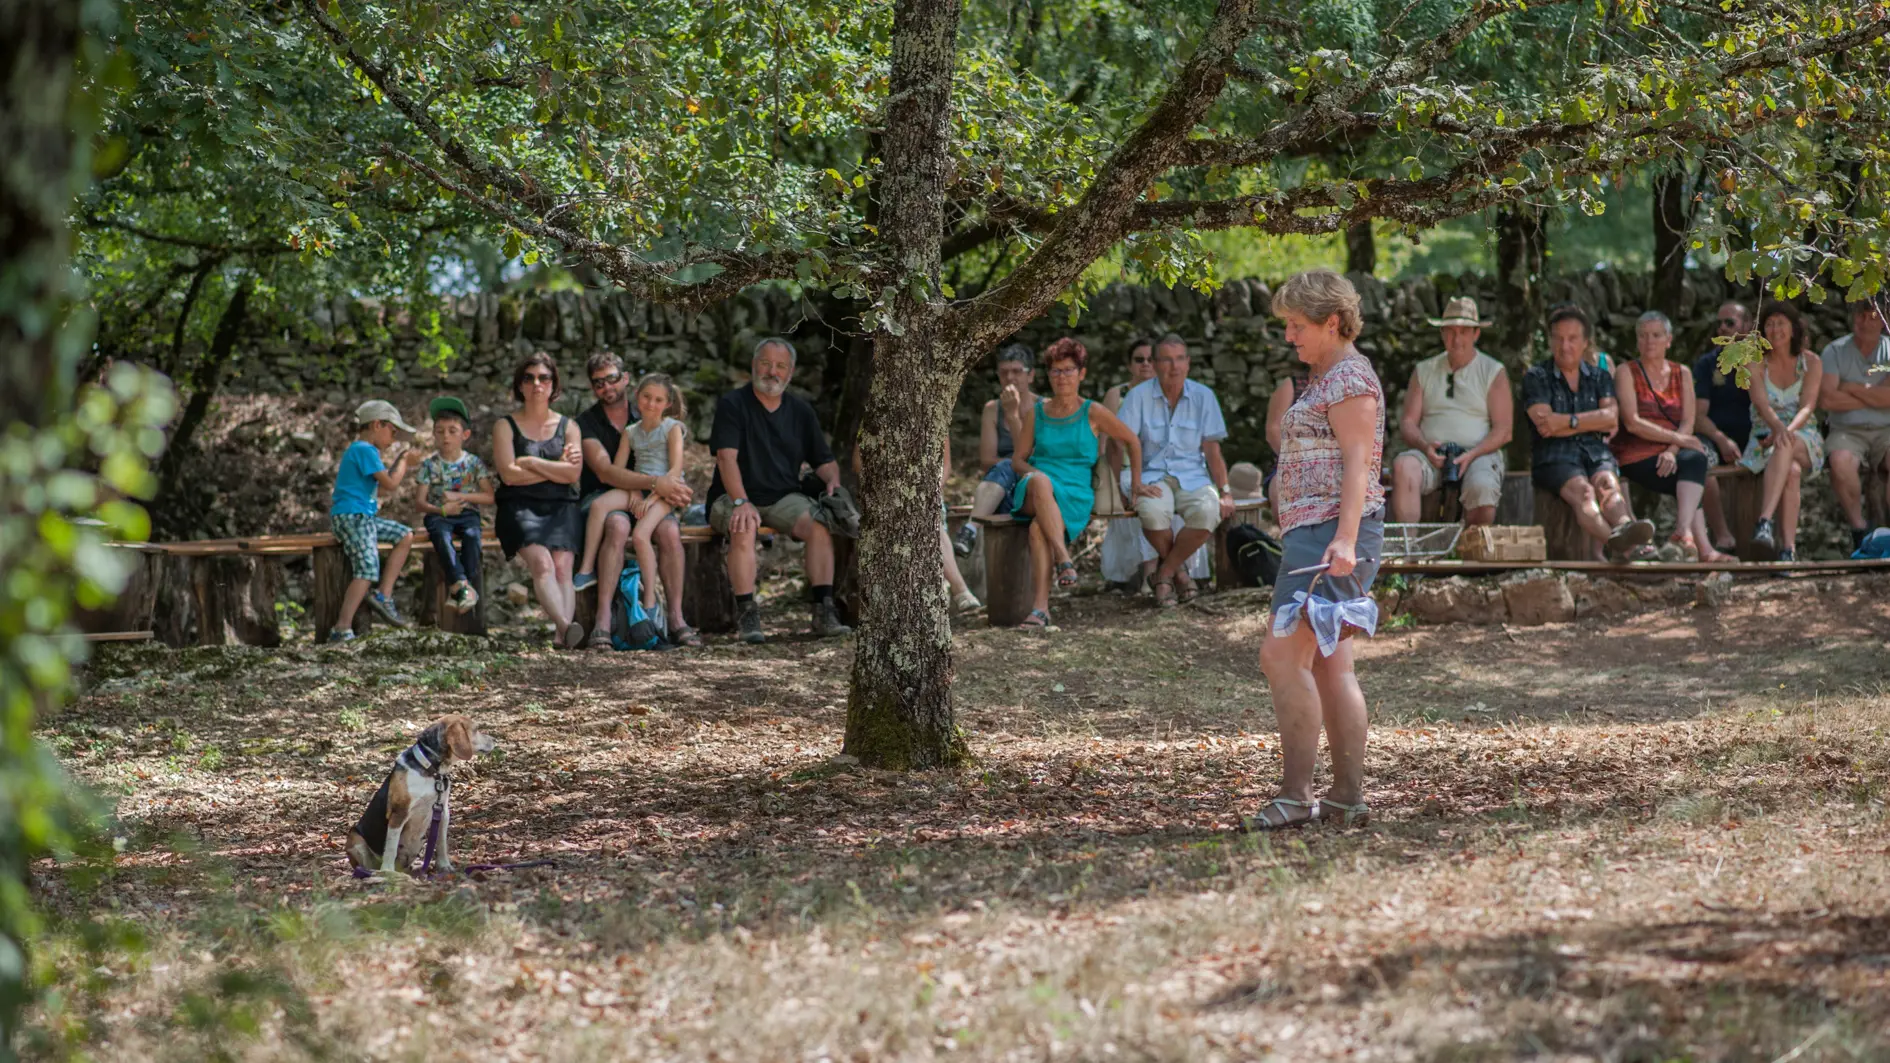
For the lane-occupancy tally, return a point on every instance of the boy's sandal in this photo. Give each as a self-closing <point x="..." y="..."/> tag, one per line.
<point x="1259" y="823"/>
<point x="1165" y="594"/>
<point x="686" y="636"/>
<point x="1036" y="620"/>
<point x="1066" y="573"/>
<point x="1348" y="816"/>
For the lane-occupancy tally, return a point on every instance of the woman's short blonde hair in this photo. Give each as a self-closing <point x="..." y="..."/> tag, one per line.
<point x="1316" y="295"/>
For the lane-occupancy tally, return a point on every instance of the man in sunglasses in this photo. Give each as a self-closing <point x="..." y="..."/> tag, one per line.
<point x="1723" y="415"/>
<point x="1458" y="415"/>
<point x="601" y="427"/>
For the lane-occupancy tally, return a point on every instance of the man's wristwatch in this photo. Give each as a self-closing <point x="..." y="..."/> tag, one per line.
<point x="739" y="503"/>
<point x="1574" y="420"/>
<point x="1225" y="490"/>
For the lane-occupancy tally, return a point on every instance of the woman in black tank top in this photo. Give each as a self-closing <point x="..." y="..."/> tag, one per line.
<point x="537" y="455"/>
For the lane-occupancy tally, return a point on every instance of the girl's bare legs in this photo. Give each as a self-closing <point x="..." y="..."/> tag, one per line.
<point x="607" y="503"/>
<point x="643" y="540"/>
<point x="669" y="558"/>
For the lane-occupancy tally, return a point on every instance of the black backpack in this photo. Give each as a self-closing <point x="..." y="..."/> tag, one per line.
<point x="1256" y="555"/>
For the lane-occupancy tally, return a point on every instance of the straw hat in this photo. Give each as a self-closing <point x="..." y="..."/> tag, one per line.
<point x="1461" y="311"/>
<point x="1243" y="480"/>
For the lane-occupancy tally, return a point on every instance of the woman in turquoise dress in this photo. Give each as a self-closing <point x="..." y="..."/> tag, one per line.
<point x="1055" y="459"/>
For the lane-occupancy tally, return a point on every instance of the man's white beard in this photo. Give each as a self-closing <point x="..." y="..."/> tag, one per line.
<point x="771" y="388"/>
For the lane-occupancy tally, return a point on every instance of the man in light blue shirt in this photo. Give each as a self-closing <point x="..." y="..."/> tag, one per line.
<point x="1183" y="473"/>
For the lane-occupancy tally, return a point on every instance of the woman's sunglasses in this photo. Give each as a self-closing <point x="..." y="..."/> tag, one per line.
<point x="538" y="378"/>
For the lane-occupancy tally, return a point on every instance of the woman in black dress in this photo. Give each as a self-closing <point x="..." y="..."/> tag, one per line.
<point x="538" y="457"/>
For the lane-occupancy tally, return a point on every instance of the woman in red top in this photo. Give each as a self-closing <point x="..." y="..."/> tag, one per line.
<point x="1656" y="445"/>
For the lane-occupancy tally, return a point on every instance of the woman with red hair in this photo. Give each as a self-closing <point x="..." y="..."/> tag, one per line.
<point x="1055" y="458"/>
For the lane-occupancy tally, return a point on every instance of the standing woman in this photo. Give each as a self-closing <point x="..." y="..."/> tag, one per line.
<point x="1055" y="461"/>
<point x="1656" y="445"/>
<point x="1784" y="394"/>
<point x="538" y="456"/>
<point x="1332" y="512"/>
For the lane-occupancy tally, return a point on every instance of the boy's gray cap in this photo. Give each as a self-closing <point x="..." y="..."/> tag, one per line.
<point x="380" y="410"/>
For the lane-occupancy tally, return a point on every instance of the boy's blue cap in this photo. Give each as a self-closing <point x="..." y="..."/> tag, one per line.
<point x="449" y="404"/>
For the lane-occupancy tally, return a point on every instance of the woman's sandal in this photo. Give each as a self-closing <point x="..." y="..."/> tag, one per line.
<point x="1066" y="573"/>
<point x="1165" y="594"/>
<point x="1258" y="823"/>
<point x="1348" y="816"/>
<point x="686" y="636"/>
<point x="1035" y="620"/>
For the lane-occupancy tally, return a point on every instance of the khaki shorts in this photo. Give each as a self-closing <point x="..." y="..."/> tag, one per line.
<point x="1199" y="509"/>
<point x="1870" y="444"/>
<point x="782" y="516"/>
<point x="1482" y="481"/>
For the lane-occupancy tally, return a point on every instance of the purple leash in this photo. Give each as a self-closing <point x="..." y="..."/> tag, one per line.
<point x="443" y="785"/>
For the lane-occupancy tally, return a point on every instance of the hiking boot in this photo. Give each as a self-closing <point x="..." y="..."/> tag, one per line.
<point x="748" y="625"/>
<point x="385" y="606"/>
<point x="1765" y="536"/>
<point x="827" y="623"/>
<point x="966" y="540"/>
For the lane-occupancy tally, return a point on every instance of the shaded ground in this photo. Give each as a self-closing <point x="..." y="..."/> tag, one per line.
<point x="1661" y="839"/>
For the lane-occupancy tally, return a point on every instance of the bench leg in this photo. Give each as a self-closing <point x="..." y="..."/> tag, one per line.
<point x="331" y="579"/>
<point x="1006" y="573"/>
<point x="708" y="598"/>
<point x="436" y="608"/>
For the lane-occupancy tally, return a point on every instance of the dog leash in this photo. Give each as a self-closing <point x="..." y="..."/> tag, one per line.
<point x="442" y="786"/>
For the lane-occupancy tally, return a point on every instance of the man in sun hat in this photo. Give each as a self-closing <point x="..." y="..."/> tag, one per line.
<point x="1458" y="398"/>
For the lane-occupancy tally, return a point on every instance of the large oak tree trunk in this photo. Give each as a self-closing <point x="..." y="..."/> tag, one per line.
<point x="899" y="712"/>
<point x="1671" y="221"/>
<point x="1520" y="249"/>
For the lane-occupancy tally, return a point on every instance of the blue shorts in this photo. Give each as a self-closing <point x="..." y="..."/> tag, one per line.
<point x="360" y="535"/>
<point x="1305" y="546"/>
<point x="1003" y="475"/>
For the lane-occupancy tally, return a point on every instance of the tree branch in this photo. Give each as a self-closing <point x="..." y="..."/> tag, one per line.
<point x="193" y="243"/>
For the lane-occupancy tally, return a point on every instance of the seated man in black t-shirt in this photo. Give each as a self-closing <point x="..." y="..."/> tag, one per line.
<point x="761" y="438"/>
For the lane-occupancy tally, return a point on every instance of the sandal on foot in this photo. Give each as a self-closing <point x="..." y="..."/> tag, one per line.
<point x="1348" y="816"/>
<point x="1035" y="620"/>
<point x="1258" y="823"/>
<point x="685" y="636"/>
<point x="1165" y="594"/>
<point x="1185" y="588"/>
<point x="1066" y="573"/>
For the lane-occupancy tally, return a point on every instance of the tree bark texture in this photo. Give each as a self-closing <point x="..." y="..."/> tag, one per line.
<point x="1361" y="248"/>
<point x="1671" y="221"/>
<point x="1519" y="262"/>
<point x="899" y="710"/>
<point x="203" y="386"/>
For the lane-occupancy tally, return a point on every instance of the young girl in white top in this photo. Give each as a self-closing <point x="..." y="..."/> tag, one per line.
<point x="656" y="442"/>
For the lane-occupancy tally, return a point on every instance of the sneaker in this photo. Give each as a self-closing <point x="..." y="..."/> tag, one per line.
<point x="340" y="634"/>
<point x="385" y="606"/>
<point x="1787" y="555"/>
<point x="1765" y="536"/>
<point x="827" y="623"/>
<point x="966" y="540"/>
<point x="464" y="597"/>
<point x="583" y="580"/>
<point x="1629" y="534"/>
<point x="748" y="625"/>
<point x="967" y="602"/>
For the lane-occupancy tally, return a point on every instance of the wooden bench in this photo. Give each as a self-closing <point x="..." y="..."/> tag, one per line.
<point x="1007" y="586"/>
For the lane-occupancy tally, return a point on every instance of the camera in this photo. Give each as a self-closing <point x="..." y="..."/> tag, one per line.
<point x="1453" y="474"/>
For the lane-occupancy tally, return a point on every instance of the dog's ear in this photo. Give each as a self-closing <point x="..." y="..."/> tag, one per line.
<point x="459" y="737"/>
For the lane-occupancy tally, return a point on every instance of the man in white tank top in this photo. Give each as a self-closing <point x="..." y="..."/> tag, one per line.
<point x="1459" y="397"/>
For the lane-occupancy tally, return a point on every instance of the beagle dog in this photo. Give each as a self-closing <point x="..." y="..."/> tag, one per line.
<point x="393" y="829"/>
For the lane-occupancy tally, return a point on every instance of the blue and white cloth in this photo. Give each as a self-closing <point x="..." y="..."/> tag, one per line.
<point x="1329" y="619"/>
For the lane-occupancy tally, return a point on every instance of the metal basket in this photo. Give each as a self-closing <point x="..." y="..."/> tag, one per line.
<point x="1414" y="541"/>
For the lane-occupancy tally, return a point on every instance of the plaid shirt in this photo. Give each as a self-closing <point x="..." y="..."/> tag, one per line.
<point x="1544" y="384"/>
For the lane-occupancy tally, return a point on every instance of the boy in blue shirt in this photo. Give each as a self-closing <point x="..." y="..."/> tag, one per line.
<point x="453" y="484"/>
<point x="354" y="513"/>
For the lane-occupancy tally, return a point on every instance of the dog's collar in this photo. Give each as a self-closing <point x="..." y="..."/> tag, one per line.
<point x="422" y="757"/>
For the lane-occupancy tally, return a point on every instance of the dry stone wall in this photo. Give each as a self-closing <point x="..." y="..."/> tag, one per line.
<point x="349" y="348"/>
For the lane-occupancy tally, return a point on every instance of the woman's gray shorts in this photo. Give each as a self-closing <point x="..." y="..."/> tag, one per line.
<point x="1305" y="546"/>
